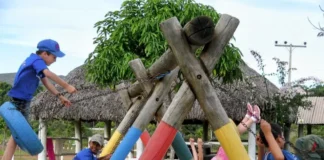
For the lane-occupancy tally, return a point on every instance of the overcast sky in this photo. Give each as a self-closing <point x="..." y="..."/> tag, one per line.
<point x="24" y="23"/>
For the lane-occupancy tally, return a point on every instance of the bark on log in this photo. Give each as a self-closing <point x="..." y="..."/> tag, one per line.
<point x="167" y="61"/>
<point x="161" y="90"/>
<point x="141" y="74"/>
<point x="194" y="73"/>
<point x="127" y="102"/>
<point x="178" y="108"/>
<point x="200" y="30"/>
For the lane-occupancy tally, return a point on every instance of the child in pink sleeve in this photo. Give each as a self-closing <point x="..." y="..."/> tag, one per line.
<point x="252" y="116"/>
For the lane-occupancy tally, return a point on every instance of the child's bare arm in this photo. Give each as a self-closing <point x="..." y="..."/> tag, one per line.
<point x="193" y="148"/>
<point x="200" y="149"/>
<point x="59" y="81"/>
<point x="273" y="145"/>
<point x="49" y="86"/>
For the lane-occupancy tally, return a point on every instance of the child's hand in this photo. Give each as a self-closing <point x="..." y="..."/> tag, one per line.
<point x="199" y="141"/>
<point x="259" y="141"/>
<point x="265" y="126"/>
<point x="191" y="140"/>
<point x="70" y="89"/>
<point x="65" y="101"/>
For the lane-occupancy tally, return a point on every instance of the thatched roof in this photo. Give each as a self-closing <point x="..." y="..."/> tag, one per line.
<point x="233" y="97"/>
<point x="108" y="107"/>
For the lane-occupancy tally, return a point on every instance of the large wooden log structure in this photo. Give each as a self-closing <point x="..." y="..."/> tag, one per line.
<point x="164" y="64"/>
<point x="181" y="103"/>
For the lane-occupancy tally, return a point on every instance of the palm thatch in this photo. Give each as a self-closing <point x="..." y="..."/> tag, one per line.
<point x="101" y="108"/>
<point x="109" y="107"/>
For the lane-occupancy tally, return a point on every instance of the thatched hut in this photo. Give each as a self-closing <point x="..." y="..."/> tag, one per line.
<point x="107" y="106"/>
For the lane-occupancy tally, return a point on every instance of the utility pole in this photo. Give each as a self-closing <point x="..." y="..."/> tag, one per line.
<point x="290" y="48"/>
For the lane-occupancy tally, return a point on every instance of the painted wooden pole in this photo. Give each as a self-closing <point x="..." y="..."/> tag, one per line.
<point x="179" y="145"/>
<point x="140" y="73"/>
<point x="123" y="127"/>
<point x="42" y="136"/>
<point x="184" y="99"/>
<point x="107" y="129"/>
<point x="166" y="63"/>
<point x="195" y="75"/>
<point x="78" y="135"/>
<point x="146" y="115"/>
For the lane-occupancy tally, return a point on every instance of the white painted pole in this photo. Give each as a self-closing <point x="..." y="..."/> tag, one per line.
<point x="77" y="129"/>
<point x="139" y="148"/>
<point x="252" y="142"/>
<point x="42" y="137"/>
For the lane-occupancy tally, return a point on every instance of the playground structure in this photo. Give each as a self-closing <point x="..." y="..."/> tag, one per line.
<point x="196" y="74"/>
<point x="148" y="94"/>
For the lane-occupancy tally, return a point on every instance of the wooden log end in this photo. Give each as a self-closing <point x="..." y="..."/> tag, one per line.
<point x="200" y="30"/>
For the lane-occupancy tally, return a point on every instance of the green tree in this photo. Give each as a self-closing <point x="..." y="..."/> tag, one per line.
<point x="316" y="91"/>
<point x="4" y="88"/>
<point x="134" y="32"/>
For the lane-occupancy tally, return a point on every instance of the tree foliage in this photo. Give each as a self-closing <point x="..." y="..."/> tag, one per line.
<point x="134" y="32"/>
<point x="4" y="89"/>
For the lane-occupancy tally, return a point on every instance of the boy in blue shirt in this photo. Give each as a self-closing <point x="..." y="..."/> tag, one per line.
<point x="31" y="71"/>
<point x="95" y="145"/>
<point x="271" y="136"/>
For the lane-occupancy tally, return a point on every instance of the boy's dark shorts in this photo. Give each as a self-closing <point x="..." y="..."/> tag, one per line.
<point x="22" y="105"/>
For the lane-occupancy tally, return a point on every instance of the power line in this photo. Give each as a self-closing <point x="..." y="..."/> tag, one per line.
<point x="290" y="48"/>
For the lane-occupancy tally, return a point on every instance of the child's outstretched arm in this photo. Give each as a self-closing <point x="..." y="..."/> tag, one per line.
<point x="49" y="86"/>
<point x="59" y="81"/>
<point x="193" y="148"/>
<point x="273" y="145"/>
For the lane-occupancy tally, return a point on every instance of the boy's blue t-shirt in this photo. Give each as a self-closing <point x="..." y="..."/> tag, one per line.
<point x="27" y="78"/>
<point x="287" y="154"/>
<point x="85" y="154"/>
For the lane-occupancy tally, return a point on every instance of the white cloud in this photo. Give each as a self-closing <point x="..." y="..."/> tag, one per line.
<point x="260" y="27"/>
<point x="69" y="22"/>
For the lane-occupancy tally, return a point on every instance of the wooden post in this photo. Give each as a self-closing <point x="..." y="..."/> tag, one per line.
<point x="42" y="136"/>
<point x="146" y="115"/>
<point x="205" y="130"/>
<point x="140" y="73"/>
<point x="107" y="129"/>
<point x="58" y="145"/>
<point x="127" y="102"/>
<point x="78" y="135"/>
<point x="309" y="129"/>
<point x="300" y="130"/>
<point x="184" y="99"/>
<point x="161" y="90"/>
<point x="252" y="142"/>
<point x="199" y="32"/>
<point x="195" y="75"/>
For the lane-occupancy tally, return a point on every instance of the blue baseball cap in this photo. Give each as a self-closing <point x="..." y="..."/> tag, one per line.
<point x="51" y="46"/>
